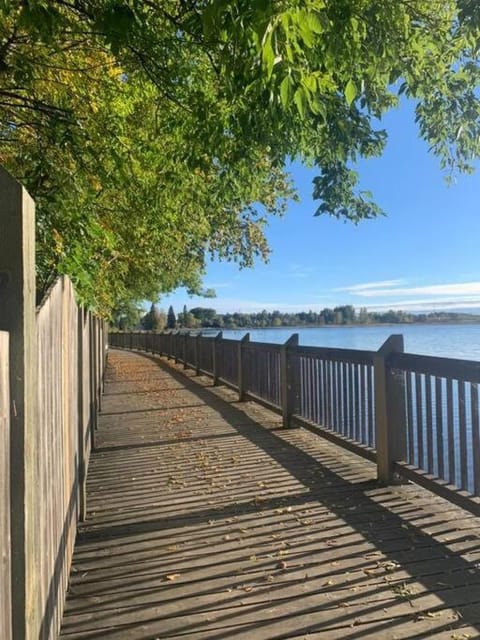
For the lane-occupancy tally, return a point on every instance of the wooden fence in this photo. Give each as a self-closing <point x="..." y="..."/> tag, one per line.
<point x="416" y="416"/>
<point x="51" y="369"/>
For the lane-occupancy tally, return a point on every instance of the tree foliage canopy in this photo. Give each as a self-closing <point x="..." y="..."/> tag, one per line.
<point x="153" y="134"/>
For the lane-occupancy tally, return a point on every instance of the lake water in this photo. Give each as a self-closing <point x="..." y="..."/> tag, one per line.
<point x="446" y="340"/>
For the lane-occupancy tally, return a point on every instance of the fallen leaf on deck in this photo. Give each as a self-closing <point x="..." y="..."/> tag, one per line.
<point x="172" y="576"/>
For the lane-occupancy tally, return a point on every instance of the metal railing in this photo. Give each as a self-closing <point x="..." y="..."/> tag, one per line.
<point x="417" y="417"/>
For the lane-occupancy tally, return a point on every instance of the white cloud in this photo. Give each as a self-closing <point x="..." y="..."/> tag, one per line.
<point x="459" y="289"/>
<point x="427" y="304"/>
<point x="358" y="288"/>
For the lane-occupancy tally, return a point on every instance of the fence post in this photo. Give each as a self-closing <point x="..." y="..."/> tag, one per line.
<point x="215" y="343"/>
<point x="390" y="422"/>
<point x="287" y="387"/>
<point x="196" y="344"/>
<point x="161" y="342"/>
<point x="175" y="340"/>
<point x="186" y="336"/>
<point x="242" y="379"/>
<point x="17" y="316"/>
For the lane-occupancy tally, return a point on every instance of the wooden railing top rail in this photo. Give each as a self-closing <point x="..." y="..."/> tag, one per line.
<point x="354" y="356"/>
<point x="267" y="346"/>
<point x="466" y="370"/>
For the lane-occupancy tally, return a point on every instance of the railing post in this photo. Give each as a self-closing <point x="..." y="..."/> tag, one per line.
<point x="287" y="386"/>
<point x="131" y="340"/>
<point x="162" y="343"/>
<point x="17" y="316"/>
<point x="186" y="336"/>
<point x="242" y="379"/>
<point x="215" y="343"/>
<point x="390" y="422"/>
<point x="175" y="340"/>
<point x="196" y="344"/>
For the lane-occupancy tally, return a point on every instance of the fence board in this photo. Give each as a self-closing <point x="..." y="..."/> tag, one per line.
<point x="5" y="564"/>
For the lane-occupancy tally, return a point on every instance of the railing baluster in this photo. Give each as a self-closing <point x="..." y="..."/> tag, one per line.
<point x="475" y="438"/>
<point x="318" y="404"/>
<point x="344" y="395"/>
<point x="451" y="433"/>
<point x="462" y="427"/>
<point x="356" y="378"/>
<point x="351" y="432"/>
<point x="324" y="393"/>
<point x="410" y="429"/>
<point x="439" y="426"/>
<point x="419" y="419"/>
<point x="371" y="407"/>
<point x="363" y="416"/>
<point x="429" y="422"/>
<point x="334" y="395"/>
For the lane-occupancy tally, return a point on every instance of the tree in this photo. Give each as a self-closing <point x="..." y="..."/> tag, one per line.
<point x="154" y="320"/>
<point x="126" y="316"/>
<point x="185" y="316"/>
<point x="191" y="322"/>
<point x="171" y="318"/>
<point x="204" y="315"/>
<point x="155" y="134"/>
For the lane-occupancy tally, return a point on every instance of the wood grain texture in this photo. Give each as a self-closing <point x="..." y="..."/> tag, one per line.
<point x="5" y="559"/>
<point x="69" y="372"/>
<point x="207" y="520"/>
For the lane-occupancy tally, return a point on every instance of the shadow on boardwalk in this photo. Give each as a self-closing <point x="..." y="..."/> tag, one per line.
<point x="208" y="520"/>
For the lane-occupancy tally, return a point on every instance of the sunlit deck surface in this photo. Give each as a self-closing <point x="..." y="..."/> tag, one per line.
<point x="207" y="519"/>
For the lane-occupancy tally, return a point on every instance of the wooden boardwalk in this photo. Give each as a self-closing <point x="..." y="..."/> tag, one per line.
<point x="206" y="519"/>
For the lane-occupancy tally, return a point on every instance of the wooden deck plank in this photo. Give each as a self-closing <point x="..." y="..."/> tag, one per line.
<point x="207" y="520"/>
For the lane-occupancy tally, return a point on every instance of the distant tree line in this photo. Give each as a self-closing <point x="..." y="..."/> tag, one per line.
<point x="202" y="317"/>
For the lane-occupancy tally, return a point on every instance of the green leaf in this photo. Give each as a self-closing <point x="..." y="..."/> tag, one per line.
<point x="350" y="92"/>
<point x="301" y="101"/>
<point x="286" y="91"/>
<point x="314" y="23"/>
<point x="268" y="55"/>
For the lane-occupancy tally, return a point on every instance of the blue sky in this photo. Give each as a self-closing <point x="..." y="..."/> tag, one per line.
<point x="423" y="256"/>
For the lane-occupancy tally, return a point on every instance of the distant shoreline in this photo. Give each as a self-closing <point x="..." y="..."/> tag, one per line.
<point x="353" y="325"/>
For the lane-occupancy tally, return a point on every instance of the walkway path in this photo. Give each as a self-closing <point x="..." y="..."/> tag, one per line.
<point x="208" y="520"/>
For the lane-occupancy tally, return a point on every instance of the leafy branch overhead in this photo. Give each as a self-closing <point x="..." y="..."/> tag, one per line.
<point x="154" y="134"/>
